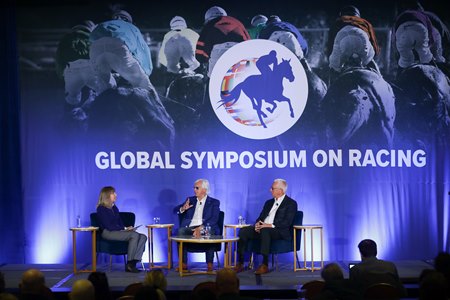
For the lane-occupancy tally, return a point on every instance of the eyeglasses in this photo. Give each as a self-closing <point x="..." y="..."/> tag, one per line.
<point x="272" y="188"/>
<point x="196" y="187"/>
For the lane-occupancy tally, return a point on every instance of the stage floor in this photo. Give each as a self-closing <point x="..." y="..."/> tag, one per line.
<point x="281" y="284"/>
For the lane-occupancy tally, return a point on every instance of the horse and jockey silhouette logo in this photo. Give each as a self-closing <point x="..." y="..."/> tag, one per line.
<point x="263" y="93"/>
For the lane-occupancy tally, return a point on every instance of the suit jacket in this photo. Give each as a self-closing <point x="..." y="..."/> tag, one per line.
<point x="210" y="213"/>
<point x="371" y="271"/>
<point x="284" y="216"/>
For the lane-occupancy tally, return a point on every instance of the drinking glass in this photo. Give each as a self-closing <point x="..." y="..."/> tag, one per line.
<point x="207" y="231"/>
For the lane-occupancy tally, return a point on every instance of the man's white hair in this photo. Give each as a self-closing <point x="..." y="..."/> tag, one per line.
<point x="205" y="184"/>
<point x="282" y="183"/>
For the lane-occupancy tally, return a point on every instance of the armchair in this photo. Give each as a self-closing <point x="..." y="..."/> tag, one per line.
<point x="113" y="247"/>
<point x="279" y="246"/>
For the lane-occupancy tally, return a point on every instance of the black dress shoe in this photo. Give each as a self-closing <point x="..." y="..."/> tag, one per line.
<point x="131" y="269"/>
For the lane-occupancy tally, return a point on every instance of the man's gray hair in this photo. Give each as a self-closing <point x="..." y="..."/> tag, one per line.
<point x="283" y="184"/>
<point x="205" y="184"/>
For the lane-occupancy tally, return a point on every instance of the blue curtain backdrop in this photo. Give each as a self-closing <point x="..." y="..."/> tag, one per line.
<point x="11" y="215"/>
<point x="52" y="167"/>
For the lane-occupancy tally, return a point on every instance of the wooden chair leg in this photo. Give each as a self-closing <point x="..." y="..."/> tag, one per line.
<point x="250" y="264"/>
<point x="298" y="262"/>
<point x="218" y="261"/>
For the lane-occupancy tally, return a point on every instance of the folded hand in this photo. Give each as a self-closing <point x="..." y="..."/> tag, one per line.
<point x="196" y="232"/>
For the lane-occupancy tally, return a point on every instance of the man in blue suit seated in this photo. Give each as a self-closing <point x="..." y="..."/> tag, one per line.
<point x="199" y="211"/>
<point x="274" y="223"/>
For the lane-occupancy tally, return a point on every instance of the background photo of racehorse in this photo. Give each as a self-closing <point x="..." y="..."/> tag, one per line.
<point x="263" y="90"/>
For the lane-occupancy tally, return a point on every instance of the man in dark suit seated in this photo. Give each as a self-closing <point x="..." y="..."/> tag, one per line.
<point x="273" y="223"/>
<point x="372" y="270"/>
<point x="197" y="212"/>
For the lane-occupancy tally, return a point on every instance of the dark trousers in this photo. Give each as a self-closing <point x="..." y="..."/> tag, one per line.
<point x="209" y="253"/>
<point x="266" y="235"/>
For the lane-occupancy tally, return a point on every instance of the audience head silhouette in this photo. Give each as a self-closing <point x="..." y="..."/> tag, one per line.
<point x="367" y="248"/>
<point x="82" y="289"/>
<point x="227" y="282"/>
<point x="101" y="285"/>
<point x="206" y="290"/>
<point x="146" y="292"/>
<point x="332" y="272"/>
<point x="32" y="282"/>
<point x="156" y="279"/>
<point x="433" y="285"/>
<point x="442" y="263"/>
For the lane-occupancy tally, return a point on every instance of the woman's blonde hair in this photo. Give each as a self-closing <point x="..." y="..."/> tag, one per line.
<point x="156" y="279"/>
<point x="104" y="198"/>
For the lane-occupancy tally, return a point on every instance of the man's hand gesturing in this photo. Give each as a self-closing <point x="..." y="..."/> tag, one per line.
<point x="186" y="205"/>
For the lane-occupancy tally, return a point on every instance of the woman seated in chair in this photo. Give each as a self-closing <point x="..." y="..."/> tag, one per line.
<point x="112" y="228"/>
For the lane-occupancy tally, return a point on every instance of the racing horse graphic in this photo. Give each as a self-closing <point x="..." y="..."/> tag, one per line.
<point x="267" y="87"/>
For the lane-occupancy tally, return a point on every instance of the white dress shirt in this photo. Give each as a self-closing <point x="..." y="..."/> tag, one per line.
<point x="197" y="219"/>
<point x="271" y="216"/>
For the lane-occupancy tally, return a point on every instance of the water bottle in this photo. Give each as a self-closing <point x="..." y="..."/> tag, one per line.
<point x="207" y="231"/>
<point x="240" y="220"/>
<point x="78" y="221"/>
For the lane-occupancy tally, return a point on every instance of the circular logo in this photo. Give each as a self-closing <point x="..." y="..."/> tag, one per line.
<point x="258" y="89"/>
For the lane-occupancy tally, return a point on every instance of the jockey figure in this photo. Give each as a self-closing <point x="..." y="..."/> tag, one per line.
<point x="257" y="24"/>
<point x="413" y="35"/>
<point x="72" y="61"/>
<point x="352" y="38"/>
<point x="119" y="45"/>
<point x="219" y="33"/>
<point x="276" y="27"/>
<point x="264" y="62"/>
<point x="179" y="43"/>
<point x="420" y="36"/>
